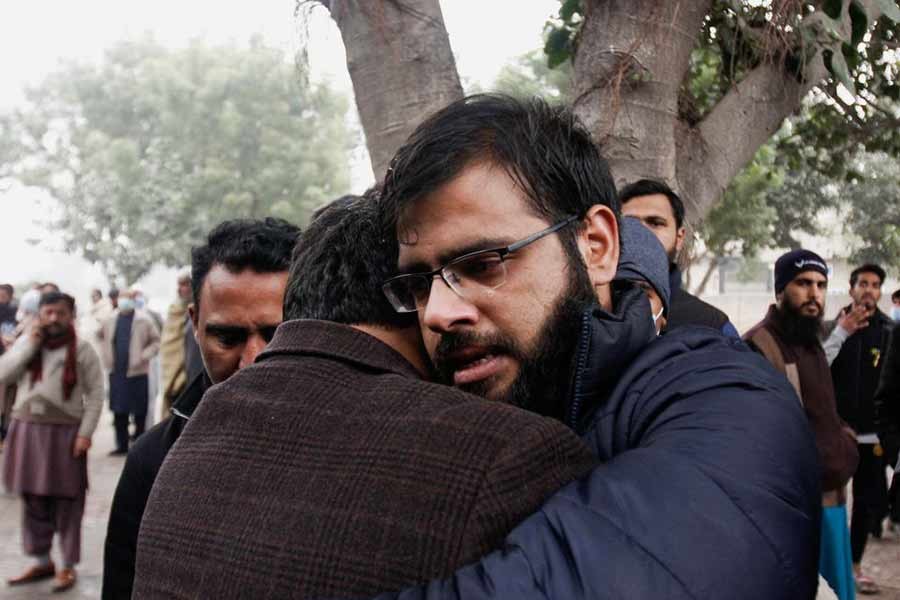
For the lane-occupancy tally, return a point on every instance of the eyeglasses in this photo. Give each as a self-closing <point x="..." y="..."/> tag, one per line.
<point x="468" y="275"/>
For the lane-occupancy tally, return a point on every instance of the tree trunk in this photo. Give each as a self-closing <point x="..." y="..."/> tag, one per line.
<point x="401" y="65"/>
<point x="710" y="268"/>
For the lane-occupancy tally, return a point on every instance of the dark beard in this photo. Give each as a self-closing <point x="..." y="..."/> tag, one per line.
<point x="544" y="373"/>
<point x="796" y="328"/>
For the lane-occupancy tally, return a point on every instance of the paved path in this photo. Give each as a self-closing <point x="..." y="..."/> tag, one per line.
<point x="882" y="558"/>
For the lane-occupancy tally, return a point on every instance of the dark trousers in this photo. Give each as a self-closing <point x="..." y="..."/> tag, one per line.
<point x="45" y="515"/>
<point x="869" y="498"/>
<point x="121" y="424"/>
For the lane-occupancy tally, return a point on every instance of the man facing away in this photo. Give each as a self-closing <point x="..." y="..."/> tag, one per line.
<point x="237" y="284"/>
<point x="662" y="211"/>
<point x="789" y="338"/>
<point x="58" y="403"/>
<point x="329" y="468"/>
<point x="130" y="341"/>
<point x="856" y="370"/>
<point x="506" y="219"/>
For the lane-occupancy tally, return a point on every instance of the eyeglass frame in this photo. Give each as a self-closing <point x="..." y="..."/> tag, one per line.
<point x="503" y="251"/>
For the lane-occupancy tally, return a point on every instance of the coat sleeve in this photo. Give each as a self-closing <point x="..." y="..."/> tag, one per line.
<point x="15" y="360"/>
<point x="887" y="398"/>
<point x="546" y="456"/>
<point x="128" y="505"/>
<point x="151" y="347"/>
<point x="91" y="378"/>
<point x="834" y="341"/>
<point x="710" y="489"/>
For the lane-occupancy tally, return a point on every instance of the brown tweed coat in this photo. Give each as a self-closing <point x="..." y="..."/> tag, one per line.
<point x="330" y="469"/>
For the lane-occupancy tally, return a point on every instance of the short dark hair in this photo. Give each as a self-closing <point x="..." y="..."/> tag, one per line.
<point x="338" y="267"/>
<point x="262" y="245"/>
<point x="544" y="149"/>
<point x="648" y="187"/>
<point x="895" y="297"/>
<point x="113" y="293"/>
<point x="867" y="268"/>
<point x="8" y="289"/>
<point x="56" y="298"/>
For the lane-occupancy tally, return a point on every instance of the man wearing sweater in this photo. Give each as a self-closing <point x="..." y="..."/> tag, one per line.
<point x="58" y="404"/>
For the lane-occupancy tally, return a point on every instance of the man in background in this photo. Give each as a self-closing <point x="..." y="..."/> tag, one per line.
<point x="237" y="283"/>
<point x="856" y="371"/>
<point x="172" y="344"/>
<point x="789" y="338"/>
<point x="130" y="340"/>
<point x="662" y="211"/>
<point x="642" y="261"/>
<point x="58" y="403"/>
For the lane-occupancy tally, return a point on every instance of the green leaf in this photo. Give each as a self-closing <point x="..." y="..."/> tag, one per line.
<point x="557" y="47"/>
<point x="568" y="10"/>
<point x="837" y="66"/>
<point x="889" y="9"/>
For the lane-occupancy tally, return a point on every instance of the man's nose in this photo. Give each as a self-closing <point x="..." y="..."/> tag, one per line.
<point x="255" y="344"/>
<point x="445" y="309"/>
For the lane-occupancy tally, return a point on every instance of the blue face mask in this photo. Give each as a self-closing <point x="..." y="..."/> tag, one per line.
<point x="126" y="305"/>
<point x="895" y="313"/>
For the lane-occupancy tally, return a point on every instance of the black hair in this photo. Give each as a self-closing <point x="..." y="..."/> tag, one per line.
<point x="262" y="245"/>
<point x="544" y="149"/>
<point x="55" y="298"/>
<point x="339" y="265"/>
<point x="8" y="289"/>
<point x="895" y="296"/>
<point x="648" y="187"/>
<point x="867" y="268"/>
<point x="113" y="293"/>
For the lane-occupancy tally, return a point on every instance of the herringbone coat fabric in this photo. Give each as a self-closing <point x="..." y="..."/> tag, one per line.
<point x="329" y="469"/>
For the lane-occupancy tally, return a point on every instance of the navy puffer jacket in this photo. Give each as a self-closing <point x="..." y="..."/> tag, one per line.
<point x="709" y="486"/>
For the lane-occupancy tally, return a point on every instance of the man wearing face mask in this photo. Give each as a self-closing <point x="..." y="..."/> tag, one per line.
<point x="130" y="341"/>
<point x="643" y="262"/>
<point x="59" y="399"/>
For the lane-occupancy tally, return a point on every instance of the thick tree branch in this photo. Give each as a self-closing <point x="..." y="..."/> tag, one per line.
<point x="401" y="65"/>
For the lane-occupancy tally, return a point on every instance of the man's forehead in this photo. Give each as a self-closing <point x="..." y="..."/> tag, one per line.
<point x="813" y="276"/>
<point x="869" y="277"/>
<point x="246" y="291"/>
<point x="651" y="204"/>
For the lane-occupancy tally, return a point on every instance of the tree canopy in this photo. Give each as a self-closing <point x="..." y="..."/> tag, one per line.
<point x="150" y="148"/>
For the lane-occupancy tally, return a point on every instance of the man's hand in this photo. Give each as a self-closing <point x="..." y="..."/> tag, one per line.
<point x="854" y="319"/>
<point x="82" y="445"/>
<point x="36" y="334"/>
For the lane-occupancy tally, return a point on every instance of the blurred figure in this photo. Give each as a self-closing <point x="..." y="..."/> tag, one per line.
<point x="237" y="286"/>
<point x="8" y="309"/>
<point x="789" y="338"/>
<point x="8" y="324"/>
<point x="173" y="354"/>
<point x="642" y="261"/>
<point x="58" y="404"/>
<point x="130" y="341"/>
<point x="895" y="305"/>
<point x="856" y="371"/>
<point x="887" y="422"/>
<point x="658" y="206"/>
<point x="113" y="296"/>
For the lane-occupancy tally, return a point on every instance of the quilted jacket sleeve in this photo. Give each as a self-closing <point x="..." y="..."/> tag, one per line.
<point x="710" y="489"/>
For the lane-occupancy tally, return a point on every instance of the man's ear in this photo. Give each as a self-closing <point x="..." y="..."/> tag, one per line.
<point x="194" y="313"/>
<point x="679" y="239"/>
<point x="598" y="241"/>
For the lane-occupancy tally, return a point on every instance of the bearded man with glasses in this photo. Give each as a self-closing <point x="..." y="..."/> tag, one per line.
<point x="507" y="226"/>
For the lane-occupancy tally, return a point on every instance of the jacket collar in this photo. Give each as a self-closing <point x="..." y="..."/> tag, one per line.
<point x="334" y="340"/>
<point x="607" y="344"/>
<point x="674" y="279"/>
<point x="188" y="400"/>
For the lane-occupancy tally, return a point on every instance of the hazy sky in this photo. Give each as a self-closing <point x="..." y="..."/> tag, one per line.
<point x="35" y="36"/>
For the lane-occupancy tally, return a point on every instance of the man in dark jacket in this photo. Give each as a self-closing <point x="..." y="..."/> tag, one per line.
<point x="887" y="418"/>
<point x="238" y="279"/>
<point x="506" y="218"/>
<point x="662" y="211"/>
<point x="789" y="338"/>
<point x="330" y="468"/>
<point x="856" y="371"/>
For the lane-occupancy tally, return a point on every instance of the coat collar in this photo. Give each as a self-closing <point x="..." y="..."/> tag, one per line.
<point x="334" y="340"/>
<point x="608" y="343"/>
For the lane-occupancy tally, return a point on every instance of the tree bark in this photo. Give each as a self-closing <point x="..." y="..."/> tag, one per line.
<point x="707" y="275"/>
<point x="401" y="65"/>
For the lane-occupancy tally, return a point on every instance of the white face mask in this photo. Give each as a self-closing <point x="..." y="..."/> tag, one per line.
<point x="126" y="305"/>
<point x="895" y="313"/>
<point x="656" y="318"/>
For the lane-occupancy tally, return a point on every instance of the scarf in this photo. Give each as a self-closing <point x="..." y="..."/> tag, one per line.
<point x="70" y="370"/>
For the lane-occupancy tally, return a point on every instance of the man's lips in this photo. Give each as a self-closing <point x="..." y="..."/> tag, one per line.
<point x="475" y="364"/>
